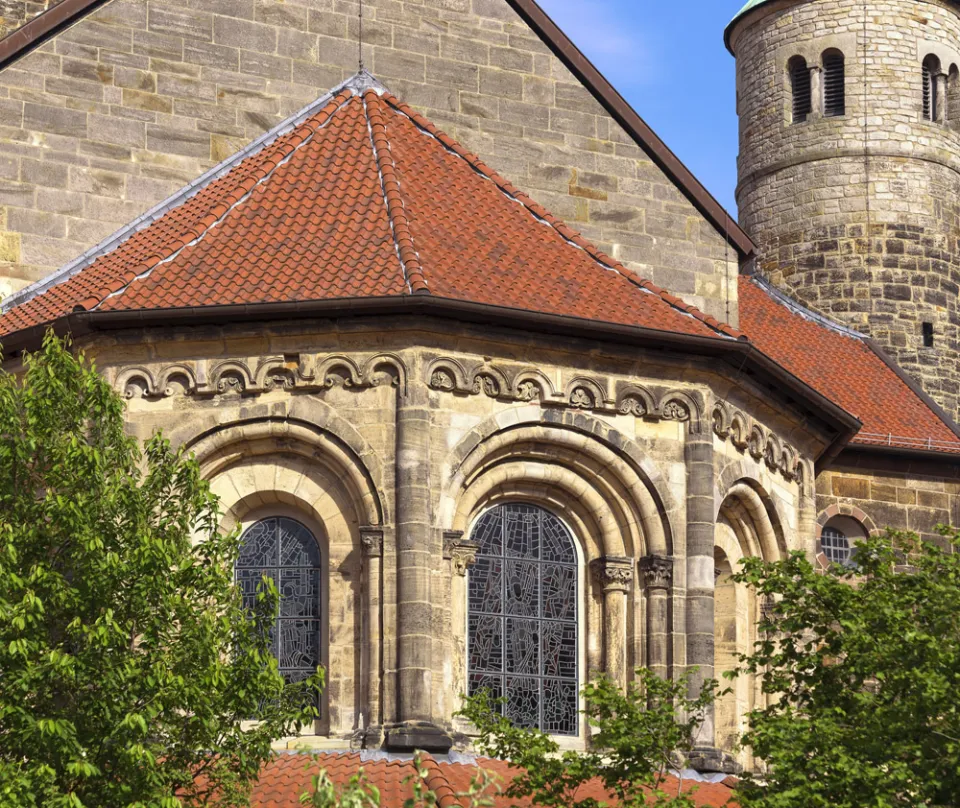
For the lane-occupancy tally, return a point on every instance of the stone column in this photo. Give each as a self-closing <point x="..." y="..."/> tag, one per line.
<point x="657" y="574"/>
<point x="816" y="93"/>
<point x="372" y="541"/>
<point x="460" y="554"/>
<point x="614" y="574"/>
<point x="700" y="566"/>
<point x="417" y="547"/>
<point x="940" y="91"/>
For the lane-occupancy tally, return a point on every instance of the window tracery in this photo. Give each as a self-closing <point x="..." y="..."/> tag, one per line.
<point x="287" y="552"/>
<point x="523" y="617"/>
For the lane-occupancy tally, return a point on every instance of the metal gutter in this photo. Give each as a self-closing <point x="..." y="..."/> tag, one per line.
<point x="51" y="22"/>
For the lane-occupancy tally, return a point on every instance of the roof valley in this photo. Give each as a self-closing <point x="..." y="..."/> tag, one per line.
<point x="413" y="272"/>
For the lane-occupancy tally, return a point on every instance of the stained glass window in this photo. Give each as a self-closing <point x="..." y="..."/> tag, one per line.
<point x="522" y="617"/>
<point x="284" y="550"/>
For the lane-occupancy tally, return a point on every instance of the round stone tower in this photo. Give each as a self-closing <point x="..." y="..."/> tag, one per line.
<point x="849" y="167"/>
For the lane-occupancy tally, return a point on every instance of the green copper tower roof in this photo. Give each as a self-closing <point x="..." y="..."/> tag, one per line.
<point x="750" y="6"/>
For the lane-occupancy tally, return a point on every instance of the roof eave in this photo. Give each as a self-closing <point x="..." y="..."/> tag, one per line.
<point x="741" y="354"/>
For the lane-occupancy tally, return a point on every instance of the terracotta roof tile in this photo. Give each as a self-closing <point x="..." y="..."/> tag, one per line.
<point x="365" y="198"/>
<point x="843" y="367"/>
<point x="284" y="779"/>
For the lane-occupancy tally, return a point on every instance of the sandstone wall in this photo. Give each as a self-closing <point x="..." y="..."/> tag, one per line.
<point x="14" y="13"/>
<point x="138" y="99"/>
<point x="870" y="240"/>
<point x="313" y="422"/>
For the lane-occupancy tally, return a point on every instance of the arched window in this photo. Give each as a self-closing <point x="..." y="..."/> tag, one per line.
<point x="800" y="88"/>
<point x="284" y="550"/>
<point x="522" y="617"/>
<point x="834" y="89"/>
<point x="930" y="71"/>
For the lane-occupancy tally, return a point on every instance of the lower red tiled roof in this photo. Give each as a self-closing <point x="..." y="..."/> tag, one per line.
<point x="362" y="199"/>
<point x="283" y="780"/>
<point x="844" y="368"/>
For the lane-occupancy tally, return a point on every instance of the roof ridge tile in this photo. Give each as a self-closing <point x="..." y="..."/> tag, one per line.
<point x="409" y="260"/>
<point x="558" y="225"/>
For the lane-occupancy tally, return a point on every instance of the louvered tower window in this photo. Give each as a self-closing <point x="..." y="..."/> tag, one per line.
<point x="800" y="88"/>
<point x="834" y="91"/>
<point x="931" y="67"/>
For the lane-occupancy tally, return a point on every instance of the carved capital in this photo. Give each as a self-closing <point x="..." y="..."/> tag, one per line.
<point x="372" y="540"/>
<point x="460" y="551"/>
<point x="657" y="571"/>
<point x="614" y="573"/>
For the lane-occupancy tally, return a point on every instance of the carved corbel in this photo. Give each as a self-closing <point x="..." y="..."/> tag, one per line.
<point x="657" y="571"/>
<point x="460" y="551"/>
<point x="614" y="573"/>
<point x="372" y="540"/>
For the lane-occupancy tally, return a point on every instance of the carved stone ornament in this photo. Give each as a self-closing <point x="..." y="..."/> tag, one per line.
<point x="460" y="551"/>
<point x="582" y="399"/>
<point x="279" y="380"/>
<point x="529" y="391"/>
<point x="372" y="540"/>
<point x="676" y="411"/>
<point x="442" y="380"/>
<point x="633" y="405"/>
<point x="484" y="383"/>
<point x="615" y="573"/>
<point x="230" y="383"/>
<point x="657" y="572"/>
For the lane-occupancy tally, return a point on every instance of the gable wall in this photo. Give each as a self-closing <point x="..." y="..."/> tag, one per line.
<point x="140" y="97"/>
<point x="14" y="13"/>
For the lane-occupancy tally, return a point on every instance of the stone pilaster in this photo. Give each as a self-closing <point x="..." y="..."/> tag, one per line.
<point x="700" y="567"/>
<point x="416" y="549"/>
<point x="657" y="572"/>
<point x="371" y="539"/>
<point x="614" y="574"/>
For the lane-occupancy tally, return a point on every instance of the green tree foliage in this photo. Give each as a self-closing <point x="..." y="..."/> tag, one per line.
<point x="637" y="736"/>
<point x="129" y="665"/>
<point x="865" y="667"/>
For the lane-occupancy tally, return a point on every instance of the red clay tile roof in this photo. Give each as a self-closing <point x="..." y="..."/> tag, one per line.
<point x="844" y="368"/>
<point x="283" y="780"/>
<point x="364" y="198"/>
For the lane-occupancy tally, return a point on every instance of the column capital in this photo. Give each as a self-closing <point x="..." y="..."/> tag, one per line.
<point x="615" y="573"/>
<point x="657" y="571"/>
<point x="462" y="552"/>
<point x="372" y="540"/>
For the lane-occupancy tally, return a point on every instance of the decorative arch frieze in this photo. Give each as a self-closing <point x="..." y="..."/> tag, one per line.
<point x="749" y="437"/>
<point x="583" y="393"/>
<point x="258" y="375"/>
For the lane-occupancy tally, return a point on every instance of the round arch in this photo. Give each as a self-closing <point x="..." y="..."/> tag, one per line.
<point x="570" y="452"/>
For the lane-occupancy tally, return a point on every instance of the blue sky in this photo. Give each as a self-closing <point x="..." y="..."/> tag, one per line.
<point x="668" y="60"/>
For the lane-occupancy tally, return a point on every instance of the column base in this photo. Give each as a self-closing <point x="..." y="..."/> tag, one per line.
<point x="709" y="760"/>
<point x="418" y="735"/>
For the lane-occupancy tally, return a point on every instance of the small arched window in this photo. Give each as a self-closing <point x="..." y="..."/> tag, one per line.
<point x="522" y="616"/>
<point x="930" y="71"/>
<point x="285" y="551"/>
<point x="800" y="89"/>
<point x="834" y="84"/>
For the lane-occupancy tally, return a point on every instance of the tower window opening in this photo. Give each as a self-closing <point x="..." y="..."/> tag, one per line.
<point x="800" y="89"/>
<point x="928" y="335"/>
<point x="834" y="89"/>
<point x="930" y="71"/>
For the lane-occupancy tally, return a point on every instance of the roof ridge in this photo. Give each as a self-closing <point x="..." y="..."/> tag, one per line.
<point x="413" y="272"/>
<point x="801" y="310"/>
<point x="564" y="230"/>
<point x="179" y="197"/>
<point x="231" y="200"/>
<point x="439" y="784"/>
